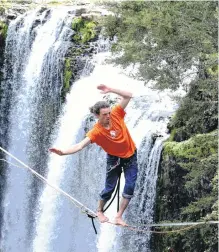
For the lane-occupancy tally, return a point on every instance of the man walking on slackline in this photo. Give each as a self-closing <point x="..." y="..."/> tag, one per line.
<point x="111" y="133"/>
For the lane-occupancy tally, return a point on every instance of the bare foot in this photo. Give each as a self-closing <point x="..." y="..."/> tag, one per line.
<point x="101" y="217"/>
<point x="119" y="221"/>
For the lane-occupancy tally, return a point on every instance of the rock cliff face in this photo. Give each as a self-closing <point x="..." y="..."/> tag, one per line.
<point x="86" y="30"/>
<point x="187" y="191"/>
<point x="187" y="186"/>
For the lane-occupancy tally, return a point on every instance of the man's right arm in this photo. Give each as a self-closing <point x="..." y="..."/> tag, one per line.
<point x="75" y="148"/>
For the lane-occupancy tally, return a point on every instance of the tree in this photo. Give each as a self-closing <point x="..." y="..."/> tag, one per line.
<point x="171" y="41"/>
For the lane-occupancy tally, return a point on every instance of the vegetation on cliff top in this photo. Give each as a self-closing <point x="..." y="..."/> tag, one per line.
<point x="165" y="38"/>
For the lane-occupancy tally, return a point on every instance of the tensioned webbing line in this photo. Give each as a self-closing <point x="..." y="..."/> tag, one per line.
<point x="76" y="202"/>
<point x="92" y="214"/>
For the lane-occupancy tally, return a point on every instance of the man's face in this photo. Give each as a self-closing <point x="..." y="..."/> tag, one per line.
<point x="104" y="116"/>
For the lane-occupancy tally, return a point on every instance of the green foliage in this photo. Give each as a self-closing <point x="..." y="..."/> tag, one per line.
<point x="171" y="138"/>
<point x="198" y="111"/>
<point x="212" y="60"/>
<point x="3" y="29"/>
<point x="199" y="146"/>
<point x="215" y="184"/>
<point x="201" y="173"/>
<point x="204" y="203"/>
<point x="85" y="30"/>
<point x="67" y="74"/>
<point x="165" y="37"/>
<point x="77" y="24"/>
<point x="204" y="239"/>
<point x="54" y="3"/>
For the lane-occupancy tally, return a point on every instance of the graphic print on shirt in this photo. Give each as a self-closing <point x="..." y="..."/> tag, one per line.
<point x="114" y="133"/>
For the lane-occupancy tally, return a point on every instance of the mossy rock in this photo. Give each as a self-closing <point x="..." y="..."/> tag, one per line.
<point x="187" y="190"/>
<point x="3" y="29"/>
<point x="67" y="74"/>
<point x="199" y="146"/>
<point x="85" y="30"/>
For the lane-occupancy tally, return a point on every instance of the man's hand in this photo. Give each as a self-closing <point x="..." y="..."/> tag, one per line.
<point x="104" y="88"/>
<point x="56" y="151"/>
<point x="126" y="96"/>
<point x="75" y="148"/>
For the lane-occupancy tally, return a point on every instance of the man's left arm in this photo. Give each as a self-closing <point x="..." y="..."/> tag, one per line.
<point x="126" y="96"/>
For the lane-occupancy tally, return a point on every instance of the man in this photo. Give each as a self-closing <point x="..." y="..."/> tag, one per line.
<point x="111" y="133"/>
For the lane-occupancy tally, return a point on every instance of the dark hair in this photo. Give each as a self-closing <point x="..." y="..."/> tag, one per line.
<point x="95" y="109"/>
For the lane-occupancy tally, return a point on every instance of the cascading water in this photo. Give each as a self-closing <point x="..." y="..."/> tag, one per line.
<point x="35" y="48"/>
<point x="59" y="225"/>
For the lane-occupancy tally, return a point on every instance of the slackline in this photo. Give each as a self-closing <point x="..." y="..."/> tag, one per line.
<point x="92" y="214"/>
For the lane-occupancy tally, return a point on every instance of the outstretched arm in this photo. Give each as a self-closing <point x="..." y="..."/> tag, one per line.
<point x="75" y="148"/>
<point x="126" y="96"/>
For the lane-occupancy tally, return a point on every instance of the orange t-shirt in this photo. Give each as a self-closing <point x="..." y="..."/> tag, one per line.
<point x="117" y="140"/>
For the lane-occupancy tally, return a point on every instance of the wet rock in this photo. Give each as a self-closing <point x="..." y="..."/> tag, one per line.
<point x="79" y="12"/>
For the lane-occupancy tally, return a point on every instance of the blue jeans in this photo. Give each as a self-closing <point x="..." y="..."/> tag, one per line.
<point x="113" y="171"/>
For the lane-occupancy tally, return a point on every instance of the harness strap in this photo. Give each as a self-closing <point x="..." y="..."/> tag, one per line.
<point x="117" y="192"/>
<point x="92" y="220"/>
<point x="118" y="189"/>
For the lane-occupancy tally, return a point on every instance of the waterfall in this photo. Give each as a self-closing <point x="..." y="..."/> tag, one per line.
<point x="37" y="218"/>
<point x="82" y="174"/>
<point x="35" y="47"/>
